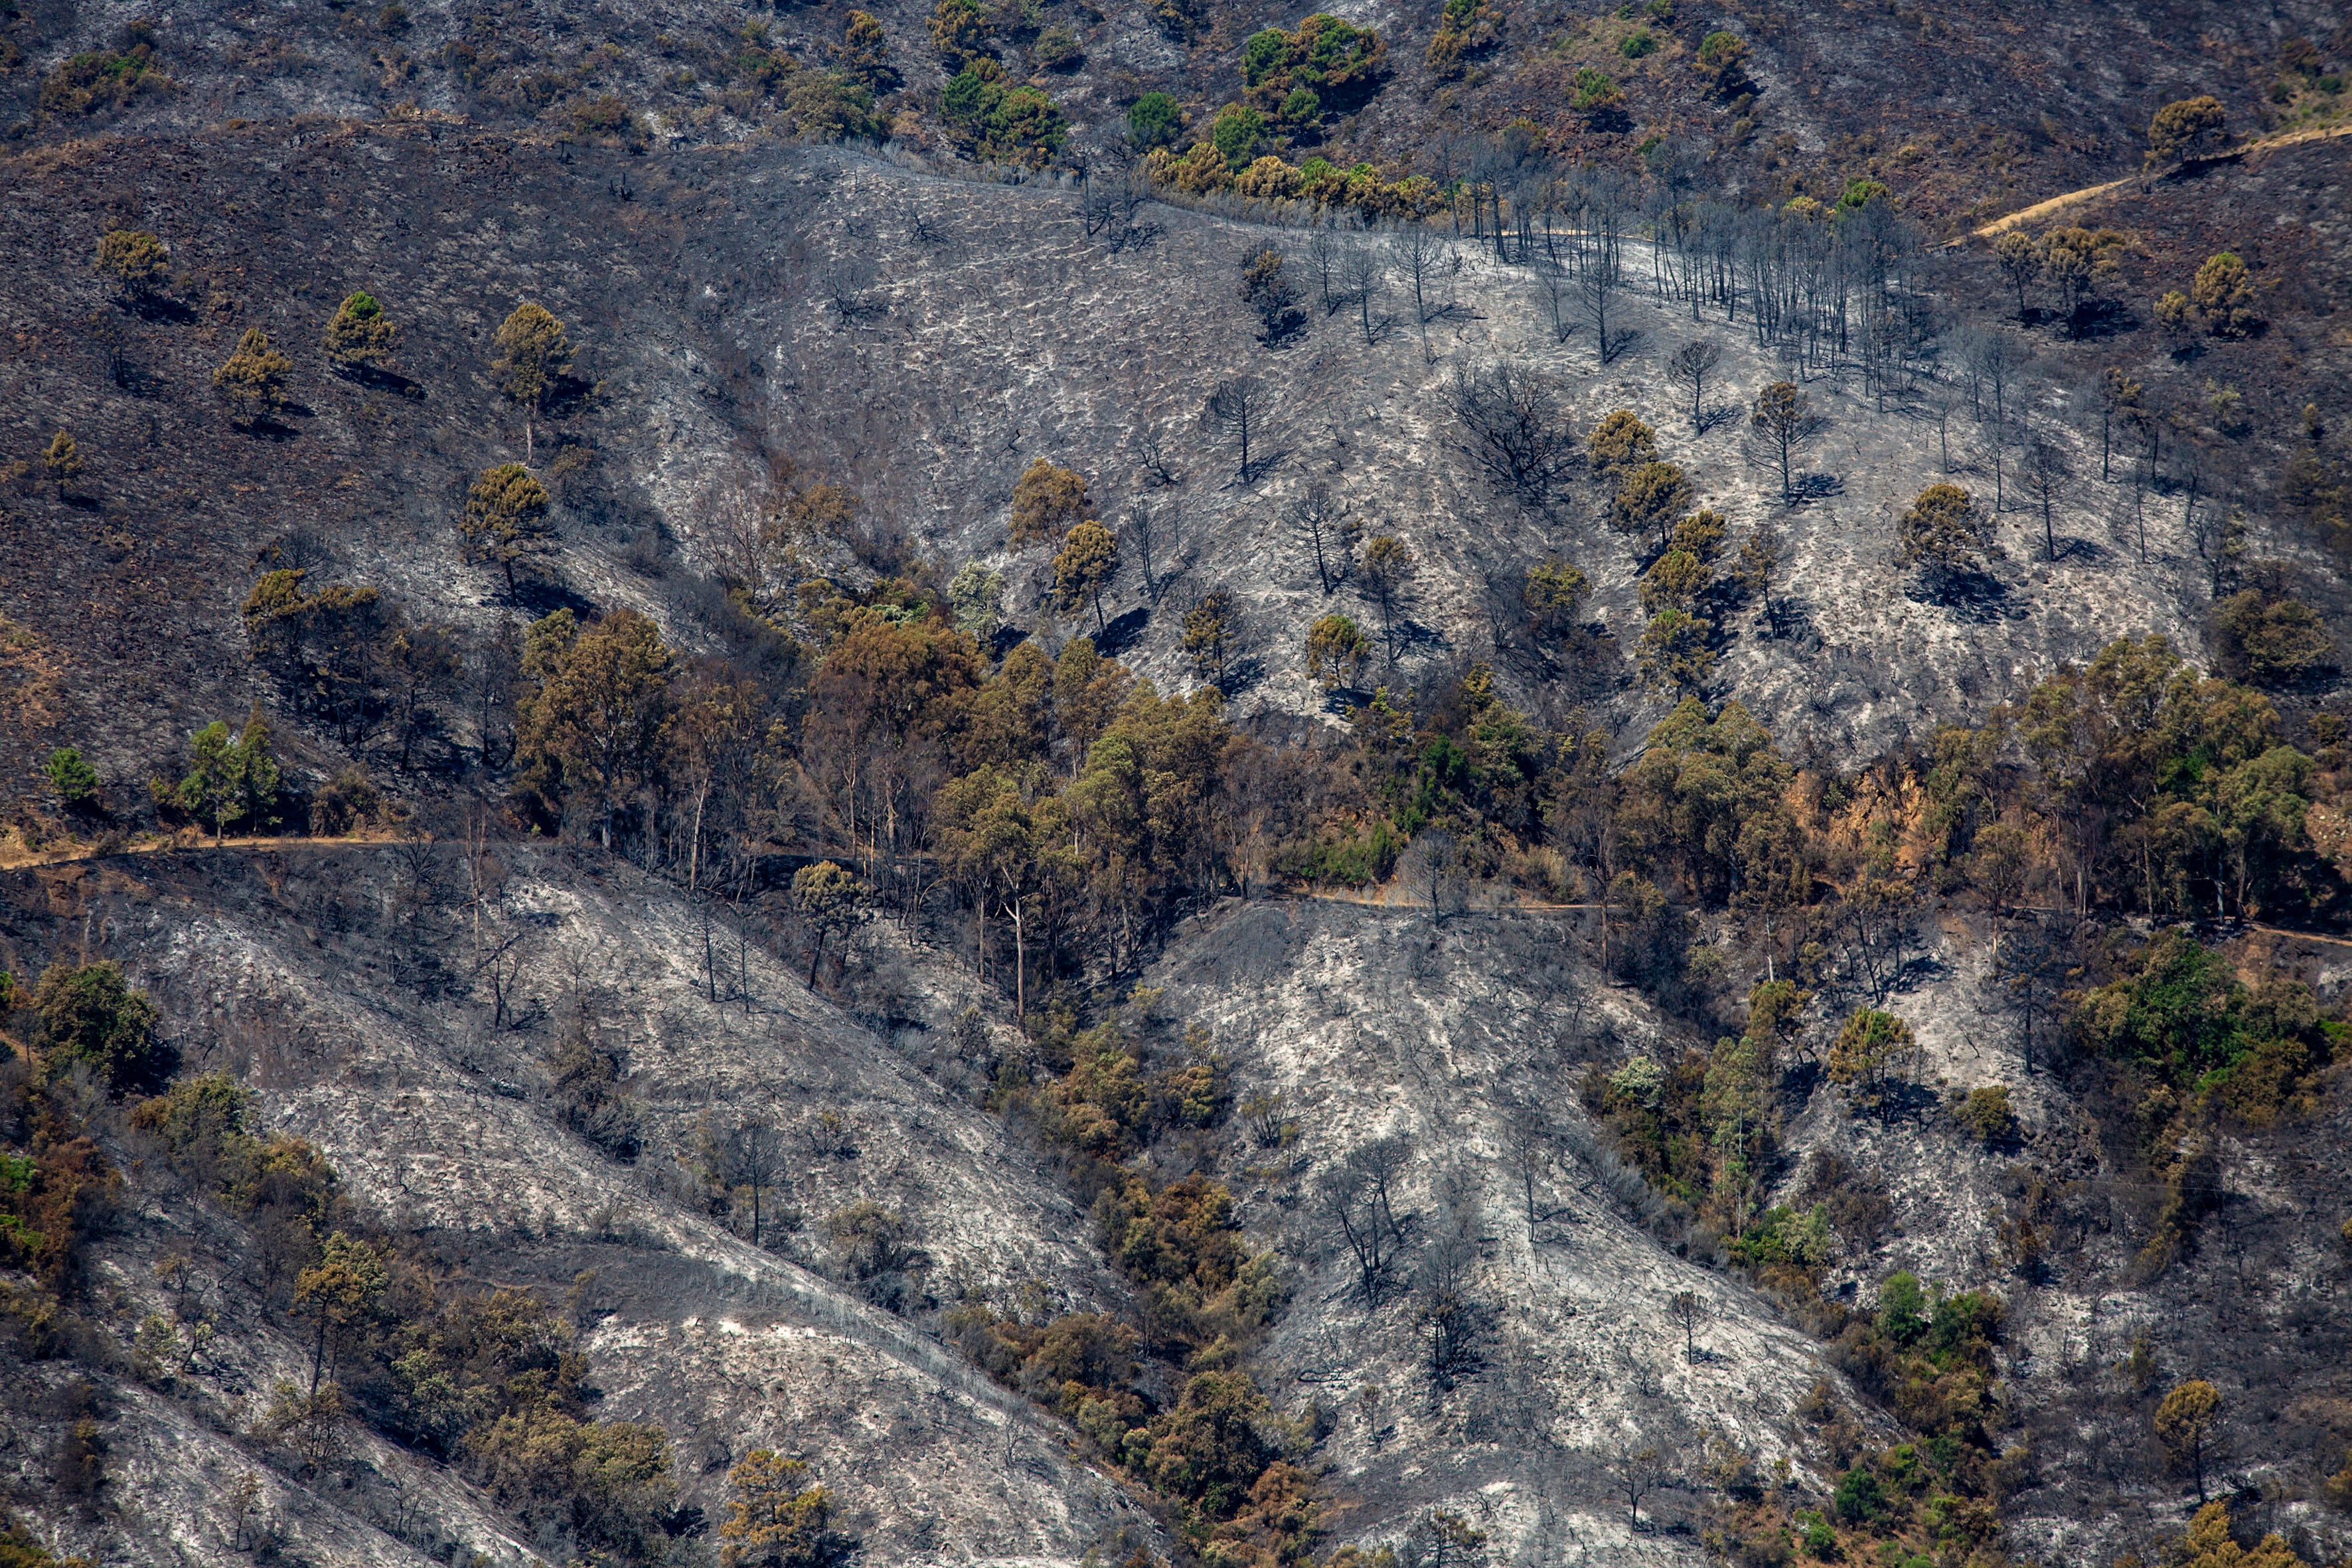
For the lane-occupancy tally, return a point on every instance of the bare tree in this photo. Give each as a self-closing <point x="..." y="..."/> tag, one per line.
<point x="754" y="1159"/>
<point x="1560" y="290"/>
<point x="1157" y="530"/>
<point x="1595" y="289"/>
<point x="1152" y="457"/>
<point x="1112" y="203"/>
<point x="1326" y="254"/>
<point x="1783" y="424"/>
<point x="499" y="961"/>
<point x="1359" y="1199"/>
<point x="1937" y="397"/>
<point x="1236" y="414"/>
<point x="1996" y="364"/>
<point x="1432" y="862"/>
<point x="1444" y="1307"/>
<point x="2220" y="540"/>
<point x="1524" y="1136"/>
<point x="1425" y="261"/>
<point x="2047" y="471"/>
<point x="1328" y="531"/>
<point x="1364" y="276"/>
<point x="1640" y="1467"/>
<point x="923" y="228"/>
<point x="1690" y="365"/>
<point x="2026" y="975"/>
<point x="1685" y="1309"/>
<point x="847" y="285"/>
<point x="1513" y="428"/>
<point x="494" y="673"/>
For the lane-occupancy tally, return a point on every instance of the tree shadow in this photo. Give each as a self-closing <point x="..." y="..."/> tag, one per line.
<point x="1134" y="237"/>
<point x="565" y="396"/>
<point x="543" y="596"/>
<point x="2090" y="554"/>
<point x="1917" y="972"/>
<point x="135" y="379"/>
<point x="2095" y="319"/>
<point x="376" y="380"/>
<point x="1239" y="676"/>
<point x="161" y="312"/>
<point x="1902" y="1102"/>
<point x="1121" y="634"/>
<point x="1807" y="488"/>
<point x="1251" y="472"/>
<point x="1283" y="327"/>
<point x="1969" y="594"/>
<point x="1410" y="634"/>
<point x="1787" y="619"/>
<point x="1714" y="418"/>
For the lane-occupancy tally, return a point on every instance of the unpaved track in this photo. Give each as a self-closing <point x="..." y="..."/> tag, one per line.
<point x="2057" y="204"/>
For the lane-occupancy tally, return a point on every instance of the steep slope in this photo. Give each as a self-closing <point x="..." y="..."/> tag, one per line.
<point x="701" y="295"/>
<point x="1464" y="1042"/>
<point x="442" y="1124"/>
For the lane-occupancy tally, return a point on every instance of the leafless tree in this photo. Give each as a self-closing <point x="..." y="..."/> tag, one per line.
<point x="847" y="284"/>
<point x="754" y="1159"/>
<point x="493" y="673"/>
<point x="1111" y="203"/>
<point x="2026" y="973"/>
<point x="1685" y="1309"/>
<point x="1152" y="457"/>
<point x="1996" y="364"/>
<point x="1513" y="428"/>
<point x="422" y="895"/>
<point x="2219" y="538"/>
<point x="1432" y="863"/>
<point x="923" y="228"/>
<point x="741" y="521"/>
<point x="1595" y="288"/>
<point x="1156" y="529"/>
<point x="1327" y="253"/>
<point x="1444" y="1305"/>
<point x="2047" y="471"/>
<point x="1560" y="290"/>
<point x="1364" y="276"/>
<point x="1359" y="1199"/>
<point x="1235" y="414"/>
<point x="1425" y="262"/>
<point x="1691" y="365"/>
<point x="1935" y="397"/>
<point x="1641" y="1466"/>
<point x="500" y="963"/>
<point x="1525" y="1137"/>
<point x="1328" y="531"/>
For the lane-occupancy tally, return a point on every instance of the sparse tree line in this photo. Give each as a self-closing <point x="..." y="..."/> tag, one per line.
<point x="1838" y="290"/>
